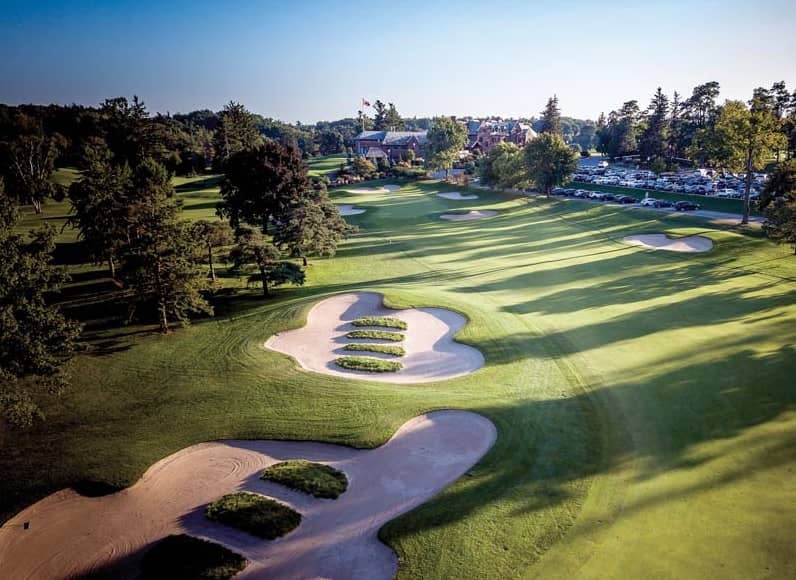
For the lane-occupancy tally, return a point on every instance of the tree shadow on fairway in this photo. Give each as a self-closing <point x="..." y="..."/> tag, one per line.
<point x="547" y="451"/>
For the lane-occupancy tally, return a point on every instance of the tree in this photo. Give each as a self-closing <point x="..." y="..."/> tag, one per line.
<point x="261" y="183"/>
<point x="654" y="138"/>
<point x="503" y="166"/>
<point x="159" y="262"/>
<point x="551" y="117"/>
<point x="778" y="201"/>
<point x="212" y="234"/>
<point x="331" y="142"/>
<point x="30" y="162"/>
<point x="313" y="226"/>
<point x="549" y="161"/>
<point x="252" y="248"/>
<point x="38" y="342"/>
<point x="100" y="201"/>
<point x="236" y="132"/>
<point x="393" y="120"/>
<point x="444" y="141"/>
<point x="362" y="167"/>
<point x="380" y="120"/>
<point x="741" y="140"/>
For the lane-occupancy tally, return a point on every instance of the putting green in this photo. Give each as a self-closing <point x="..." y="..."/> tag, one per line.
<point x="643" y="400"/>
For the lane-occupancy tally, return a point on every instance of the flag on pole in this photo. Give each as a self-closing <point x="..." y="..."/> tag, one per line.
<point x="365" y="103"/>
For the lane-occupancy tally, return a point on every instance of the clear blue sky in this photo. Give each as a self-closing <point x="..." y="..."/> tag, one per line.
<point x="312" y="60"/>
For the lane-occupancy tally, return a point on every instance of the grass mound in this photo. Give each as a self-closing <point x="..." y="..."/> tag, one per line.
<point x="181" y="557"/>
<point x="380" y="348"/>
<point x="314" y="478"/>
<point x="253" y="513"/>
<point x="386" y="321"/>
<point x="376" y="334"/>
<point x="371" y="365"/>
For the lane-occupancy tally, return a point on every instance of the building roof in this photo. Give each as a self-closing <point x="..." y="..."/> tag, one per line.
<point x="375" y="153"/>
<point x="393" y="137"/>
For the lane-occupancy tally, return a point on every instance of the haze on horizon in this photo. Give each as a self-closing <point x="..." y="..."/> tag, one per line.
<point x="312" y="61"/>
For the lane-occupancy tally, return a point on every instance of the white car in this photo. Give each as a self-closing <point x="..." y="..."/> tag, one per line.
<point x="649" y="202"/>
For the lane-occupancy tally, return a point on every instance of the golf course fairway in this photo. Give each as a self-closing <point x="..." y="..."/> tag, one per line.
<point x="644" y="401"/>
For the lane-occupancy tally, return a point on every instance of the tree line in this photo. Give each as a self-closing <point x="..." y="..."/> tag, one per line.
<point x="273" y="215"/>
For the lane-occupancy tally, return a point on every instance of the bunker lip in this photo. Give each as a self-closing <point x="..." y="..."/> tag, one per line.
<point x="431" y="352"/>
<point x="347" y="209"/>
<point x="71" y="535"/>
<point x="371" y="190"/>
<point x="687" y="244"/>
<point x="471" y="215"/>
<point x="457" y="196"/>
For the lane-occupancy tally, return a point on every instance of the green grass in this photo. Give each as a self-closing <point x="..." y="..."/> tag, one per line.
<point x="255" y="514"/>
<point x="313" y="478"/>
<point x="325" y="164"/>
<point x="368" y="364"/>
<point x="181" y="557"/>
<point x="644" y="400"/>
<point x="380" y="348"/>
<point x="710" y="203"/>
<point x="386" y="321"/>
<point x="376" y="335"/>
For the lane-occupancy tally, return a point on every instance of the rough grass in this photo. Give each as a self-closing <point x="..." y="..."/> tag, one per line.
<point x="255" y="514"/>
<point x="386" y="321"/>
<point x="644" y="401"/>
<point x="368" y="364"/>
<point x="313" y="478"/>
<point x="376" y="335"/>
<point x="380" y="348"/>
<point x="181" y="557"/>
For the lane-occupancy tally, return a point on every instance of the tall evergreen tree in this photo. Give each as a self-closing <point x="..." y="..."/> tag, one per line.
<point x="393" y="120"/>
<point x="551" y="117"/>
<point x="236" y="131"/>
<point x="653" y="140"/>
<point x="380" y="120"/>
<point x="160" y="260"/>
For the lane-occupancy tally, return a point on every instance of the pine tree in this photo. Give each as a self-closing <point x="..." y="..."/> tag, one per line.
<point x="236" y="131"/>
<point x="551" y="117"/>
<point x="652" y="142"/>
<point x="160" y="261"/>
<point x="252" y="248"/>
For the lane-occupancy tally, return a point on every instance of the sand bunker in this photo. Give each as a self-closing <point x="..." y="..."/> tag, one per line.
<point x="472" y="215"/>
<point x="371" y="190"/>
<point x="347" y="209"/>
<point x="71" y="535"/>
<point x="431" y="352"/>
<point x="664" y="242"/>
<point x="457" y="196"/>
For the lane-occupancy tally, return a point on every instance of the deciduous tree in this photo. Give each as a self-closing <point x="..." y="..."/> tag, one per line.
<point x="549" y="161"/>
<point x="252" y="248"/>
<point x="778" y="201"/>
<point x="444" y="141"/>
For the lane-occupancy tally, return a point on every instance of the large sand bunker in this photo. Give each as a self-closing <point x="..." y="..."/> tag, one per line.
<point x="71" y="535"/>
<point x="471" y="215"/>
<point x="431" y="352"/>
<point x="664" y="242"/>
<point x="371" y="190"/>
<point x="348" y="209"/>
<point x="457" y="196"/>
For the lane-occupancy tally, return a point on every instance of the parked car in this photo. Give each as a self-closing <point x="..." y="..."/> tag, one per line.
<point x="597" y="196"/>
<point x="664" y="203"/>
<point x="686" y="206"/>
<point x="649" y="202"/>
<point x="626" y="199"/>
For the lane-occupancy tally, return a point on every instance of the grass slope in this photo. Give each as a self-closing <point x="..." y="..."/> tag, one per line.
<point x="644" y="400"/>
<point x="313" y="478"/>
<point x="253" y="513"/>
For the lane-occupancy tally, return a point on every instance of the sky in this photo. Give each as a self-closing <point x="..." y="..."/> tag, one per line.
<point x="302" y="60"/>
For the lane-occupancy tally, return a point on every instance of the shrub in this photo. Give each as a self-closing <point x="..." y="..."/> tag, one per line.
<point x="387" y="321"/>
<point x="376" y="335"/>
<point x="313" y="478"/>
<point x="382" y="348"/>
<point x="255" y="514"/>
<point x="367" y="364"/>
<point x="181" y="557"/>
